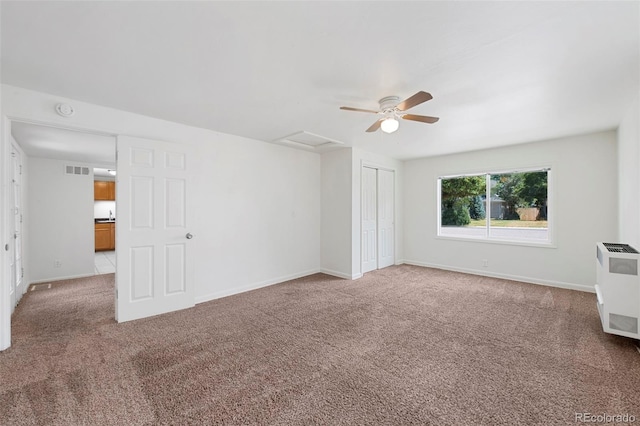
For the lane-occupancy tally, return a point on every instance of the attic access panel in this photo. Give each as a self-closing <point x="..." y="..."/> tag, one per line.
<point x="309" y="141"/>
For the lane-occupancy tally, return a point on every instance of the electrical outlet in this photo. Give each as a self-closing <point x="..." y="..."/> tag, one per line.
<point x="485" y="263"/>
<point x="57" y="263"/>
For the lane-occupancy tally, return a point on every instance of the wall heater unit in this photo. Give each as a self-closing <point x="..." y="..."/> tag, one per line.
<point x="618" y="288"/>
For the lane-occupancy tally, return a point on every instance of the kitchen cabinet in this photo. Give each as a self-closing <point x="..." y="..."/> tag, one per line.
<point x="105" y="236"/>
<point x="104" y="190"/>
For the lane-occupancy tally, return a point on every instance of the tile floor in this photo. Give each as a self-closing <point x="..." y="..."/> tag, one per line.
<point x="105" y="262"/>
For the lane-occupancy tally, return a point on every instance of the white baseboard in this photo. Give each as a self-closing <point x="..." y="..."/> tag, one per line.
<point x="54" y="279"/>
<point x="340" y="274"/>
<point x="252" y="286"/>
<point x="549" y="283"/>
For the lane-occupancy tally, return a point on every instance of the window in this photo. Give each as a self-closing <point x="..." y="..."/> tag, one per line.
<point x="504" y="206"/>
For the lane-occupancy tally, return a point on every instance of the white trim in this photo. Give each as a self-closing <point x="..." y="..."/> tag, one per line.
<point x="5" y="278"/>
<point x="548" y="283"/>
<point x="373" y="165"/>
<point x="5" y="196"/>
<point x="550" y="242"/>
<point x="499" y="172"/>
<point x="252" y="286"/>
<point x="71" y="128"/>
<point x="69" y="277"/>
<point x="484" y="240"/>
<point x="340" y="274"/>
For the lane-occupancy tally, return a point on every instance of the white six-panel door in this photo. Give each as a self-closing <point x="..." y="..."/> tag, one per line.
<point x="153" y="231"/>
<point x="378" y="240"/>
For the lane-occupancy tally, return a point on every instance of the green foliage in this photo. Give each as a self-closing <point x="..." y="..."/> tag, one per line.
<point x="527" y="189"/>
<point x="456" y="213"/>
<point x="462" y="187"/>
<point x="476" y="208"/>
<point x="462" y="201"/>
<point x="509" y="187"/>
<point x="534" y="192"/>
<point x="457" y="195"/>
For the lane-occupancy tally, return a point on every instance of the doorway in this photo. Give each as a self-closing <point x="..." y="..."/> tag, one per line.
<point x="57" y="201"/>
<point x="378" y="222"/>
<point x="104" y="214"/>
<point x="15" y="257"/>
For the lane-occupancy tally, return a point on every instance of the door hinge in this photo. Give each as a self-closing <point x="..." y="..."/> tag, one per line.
<point x="22" y="273"/>
<point x="20" y="217"/>
<point x="116" y="293"/>
<point x="20" y="168"/>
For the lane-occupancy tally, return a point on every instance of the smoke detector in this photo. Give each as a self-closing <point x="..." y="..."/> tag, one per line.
<point x="65" y="110"/>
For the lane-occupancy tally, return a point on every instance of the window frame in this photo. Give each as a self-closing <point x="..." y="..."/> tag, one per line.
<point x="487" y="238"/>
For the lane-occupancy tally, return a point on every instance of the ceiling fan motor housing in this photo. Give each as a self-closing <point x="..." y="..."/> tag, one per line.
<point x="388" y="103"/>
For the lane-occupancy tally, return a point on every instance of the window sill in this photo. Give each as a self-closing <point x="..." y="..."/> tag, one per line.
<point x="538" y="244"/>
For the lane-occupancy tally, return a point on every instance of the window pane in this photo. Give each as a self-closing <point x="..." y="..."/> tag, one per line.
<point x="463" y="206"/>
<point x="519" y="206"/>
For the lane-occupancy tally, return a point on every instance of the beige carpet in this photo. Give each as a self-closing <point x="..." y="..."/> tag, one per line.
<point x="403" y="345"/>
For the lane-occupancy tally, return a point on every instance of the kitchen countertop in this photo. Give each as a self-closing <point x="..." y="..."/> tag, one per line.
<point x="104" y="220"/>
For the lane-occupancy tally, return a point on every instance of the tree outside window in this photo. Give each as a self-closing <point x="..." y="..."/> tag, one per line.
<point x="516" y="203"/>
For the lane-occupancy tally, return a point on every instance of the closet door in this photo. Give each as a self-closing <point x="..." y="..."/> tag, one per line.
<point x="369" y="220"/>
<point x="385" y="236"/>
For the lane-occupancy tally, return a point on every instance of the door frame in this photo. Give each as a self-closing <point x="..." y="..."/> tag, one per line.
<point x="378" y="166"/>
<point x="5" y="189"/>
<point x="18" y="291"/>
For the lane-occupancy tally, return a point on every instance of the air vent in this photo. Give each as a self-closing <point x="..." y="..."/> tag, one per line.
<point x="619" y="248"/>
<point x="623" y="323"/>
<point x="76" y="170"/>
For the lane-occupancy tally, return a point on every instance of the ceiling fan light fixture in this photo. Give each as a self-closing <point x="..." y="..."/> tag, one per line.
<point x="389" y="125"/>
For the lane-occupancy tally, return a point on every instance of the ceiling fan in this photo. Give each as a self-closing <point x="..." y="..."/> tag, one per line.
<point x="391" y="110"/>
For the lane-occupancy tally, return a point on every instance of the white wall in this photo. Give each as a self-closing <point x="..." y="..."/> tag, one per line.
<point x="584" y="211"/>
<point x="60" y="224"/>
<point x="629" y="176"/>
<point x="336" y="244"/>
<point x="5" y="299"/>
<point x="341" y="210"/>
<point x="360" y="158"/>
<point x="258" y="208"/>
<point x="258" y="204"/>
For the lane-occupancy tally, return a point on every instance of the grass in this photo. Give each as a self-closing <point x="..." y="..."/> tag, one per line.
<point x="510" y="223"/>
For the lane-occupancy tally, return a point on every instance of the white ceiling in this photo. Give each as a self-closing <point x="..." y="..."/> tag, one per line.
<point x="500" y="72"/>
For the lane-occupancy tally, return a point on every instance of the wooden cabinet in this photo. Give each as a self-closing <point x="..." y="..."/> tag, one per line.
<point x="104" y="190"/>
<point x="105" y="236"/>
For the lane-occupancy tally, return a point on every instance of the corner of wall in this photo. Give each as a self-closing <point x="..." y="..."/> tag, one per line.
<point x="5" y="299"/>
<point x="629" y="175"/>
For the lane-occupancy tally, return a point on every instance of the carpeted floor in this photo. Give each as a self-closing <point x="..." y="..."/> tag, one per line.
<point x="403" y="345"/>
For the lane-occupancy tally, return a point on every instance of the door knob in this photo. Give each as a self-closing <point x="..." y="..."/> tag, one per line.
<point x="189" y="235"/>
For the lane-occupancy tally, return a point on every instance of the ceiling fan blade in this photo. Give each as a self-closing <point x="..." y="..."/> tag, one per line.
<point x="421" y="118"/>
<point x="414" y="100"/>
<point x="358" y="109"/>
<point x="375" y="126"/>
